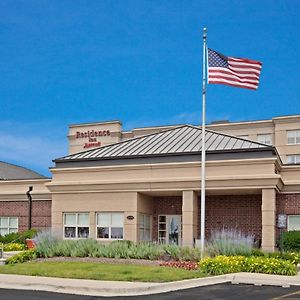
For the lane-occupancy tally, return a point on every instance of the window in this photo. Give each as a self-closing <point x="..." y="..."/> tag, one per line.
<point x="293" y="137"/>
<point x="293" y="159"/>
<point x="76" y="225"/>
<point x="144" y="227"/>
<point x="110" y="226"/>
<point x="264" y="139"/>
<point x="294" y="222"/>
<point x="8" y="225"/>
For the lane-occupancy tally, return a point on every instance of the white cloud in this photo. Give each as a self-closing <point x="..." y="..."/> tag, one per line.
<point x="30" y="145"/>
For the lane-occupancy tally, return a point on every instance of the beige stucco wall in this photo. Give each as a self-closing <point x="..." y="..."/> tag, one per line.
<point x="15" y="190"/>
<point x="131" y="189"/>
<point x="93" y="203"/>
<point x="230" y="174"/>
<point x="189" y="217"/>
<point x="268" y="210"/>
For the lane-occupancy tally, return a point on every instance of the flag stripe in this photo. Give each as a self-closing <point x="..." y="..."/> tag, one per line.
<point x="232" y="78"/>
<point x="230" y="72"/>
<point x="243" y="65"/>
<point x="245" y="60"/>
<point x="243" y="69"/>
<point x="229" y="82"/>
<point x="238" y="72"/>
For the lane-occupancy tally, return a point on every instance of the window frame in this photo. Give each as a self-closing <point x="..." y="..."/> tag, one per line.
<point x="110" y="226"/>
<point x="288" y="222"/>
<point x="77" y="226"/>
<point x="295" y="156"/>
<point x="8" y="224"/>
<point x="296" y="134"/>
<point x="264" y="135"/>
<point x="143" y="226"/>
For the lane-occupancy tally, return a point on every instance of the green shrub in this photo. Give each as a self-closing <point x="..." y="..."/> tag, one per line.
<point x="81" y="248"/>
<point x="290" y="241"/>
<point x="231" y="264"/>
<point x="172" y="250"/>
<point x="222" y="264"/>
<point x="18" y="237"/>
<point x="147" y="250"/>
<point x="13" y="247"/>
<point x="229" y="242"/>
<point x="293" y="257"/>
<point x="189" y="254"/>
<point x="22" y="257"/>
<point x="257" y="252"/>
<point x="119" y="249"/>
<point x="183" y="253"/>
<point x="269" y="266"/>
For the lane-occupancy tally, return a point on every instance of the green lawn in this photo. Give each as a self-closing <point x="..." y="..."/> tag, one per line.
<point x="100" y="271"/>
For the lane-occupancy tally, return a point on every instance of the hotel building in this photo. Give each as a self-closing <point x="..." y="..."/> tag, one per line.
<point x="144" y="184"/>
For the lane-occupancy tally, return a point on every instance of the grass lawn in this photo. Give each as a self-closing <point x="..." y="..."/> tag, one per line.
<point x="100" y="271"/>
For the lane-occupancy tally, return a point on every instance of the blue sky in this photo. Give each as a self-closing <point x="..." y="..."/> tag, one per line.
<point x="137" y="61"/>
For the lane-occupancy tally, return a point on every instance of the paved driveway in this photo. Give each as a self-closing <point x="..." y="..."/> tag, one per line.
<point x="219" y="291"/>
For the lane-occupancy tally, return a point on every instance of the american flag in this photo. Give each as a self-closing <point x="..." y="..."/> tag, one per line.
<point x="239" y="72"/>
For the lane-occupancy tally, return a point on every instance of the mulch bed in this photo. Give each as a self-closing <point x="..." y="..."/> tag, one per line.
<point x="102" y="260"/>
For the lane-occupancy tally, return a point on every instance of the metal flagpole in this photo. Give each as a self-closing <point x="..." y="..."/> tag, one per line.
<point x="202" y="227"/>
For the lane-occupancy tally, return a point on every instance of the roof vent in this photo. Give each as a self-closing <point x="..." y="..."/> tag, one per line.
<point x="220" y="122"/>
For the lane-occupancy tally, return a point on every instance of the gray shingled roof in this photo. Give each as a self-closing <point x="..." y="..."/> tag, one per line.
<point x="184" y="139"/>
<point x="13" y="172"/>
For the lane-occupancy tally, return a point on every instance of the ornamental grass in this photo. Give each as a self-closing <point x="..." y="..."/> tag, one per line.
<point x="51" y="246"/>
<point x="229" y="242"/>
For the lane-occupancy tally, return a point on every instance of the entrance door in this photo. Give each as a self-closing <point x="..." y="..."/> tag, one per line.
<point x="169" y="229"/>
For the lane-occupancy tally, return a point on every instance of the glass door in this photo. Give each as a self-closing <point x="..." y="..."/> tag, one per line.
<point x="169" y="229"/>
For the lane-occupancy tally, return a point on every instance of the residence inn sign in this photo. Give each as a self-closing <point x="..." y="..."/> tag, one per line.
<point x="91" y="138"/>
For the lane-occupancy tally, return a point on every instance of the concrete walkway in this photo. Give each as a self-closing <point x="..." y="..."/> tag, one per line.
<point x="122" y="288"/>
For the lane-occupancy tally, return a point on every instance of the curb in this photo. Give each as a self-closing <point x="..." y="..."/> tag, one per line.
<point x="121" y="288"/>
<point x="265" y="279"/>
<point x="102" y="288"/>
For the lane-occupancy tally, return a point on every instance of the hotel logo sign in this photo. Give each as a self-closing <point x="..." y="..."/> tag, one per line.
<point x="92" y="136"/>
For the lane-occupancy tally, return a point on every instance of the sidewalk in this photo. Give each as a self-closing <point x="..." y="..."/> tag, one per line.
<point x="122" y="288"/>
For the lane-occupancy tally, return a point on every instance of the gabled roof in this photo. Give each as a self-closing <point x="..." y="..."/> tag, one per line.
<point x="13" y="172"/>
<point x="181" y="140"/>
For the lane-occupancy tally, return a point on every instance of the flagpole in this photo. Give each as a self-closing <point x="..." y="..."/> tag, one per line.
<point x="202" y="226"/>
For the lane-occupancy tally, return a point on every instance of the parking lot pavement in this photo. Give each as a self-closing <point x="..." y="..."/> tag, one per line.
<point x="213" y="292"/>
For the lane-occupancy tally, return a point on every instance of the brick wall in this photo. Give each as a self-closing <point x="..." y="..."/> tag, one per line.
<point x="242" y="212"/>
<point x="41" y="213"/>
<point x="288" y="204"/>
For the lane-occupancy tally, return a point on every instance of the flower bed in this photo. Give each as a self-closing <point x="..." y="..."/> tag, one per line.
<point x="13" y="247"/>
<point x="22" y="257"/>
<point x="231" y="264"/>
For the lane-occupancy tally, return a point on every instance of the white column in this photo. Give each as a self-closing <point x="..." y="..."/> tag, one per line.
<point x="189" y="217"/>
<point x="268" y="212"/>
